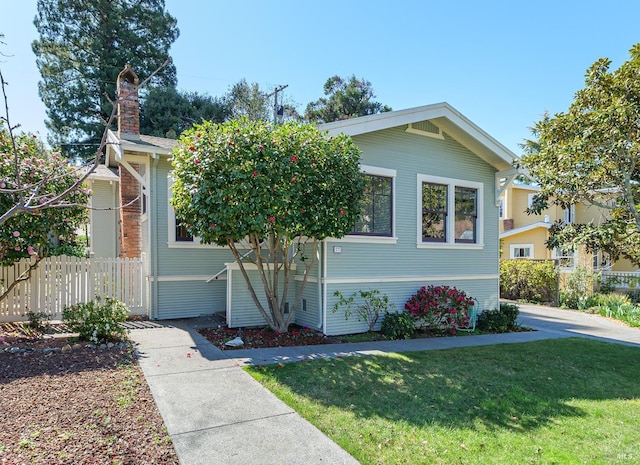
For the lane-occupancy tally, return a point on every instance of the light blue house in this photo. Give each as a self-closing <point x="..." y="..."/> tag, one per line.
<point x="432" y="219"/>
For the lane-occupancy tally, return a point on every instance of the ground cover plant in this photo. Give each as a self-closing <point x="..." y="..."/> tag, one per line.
<point x="562" y="401"/>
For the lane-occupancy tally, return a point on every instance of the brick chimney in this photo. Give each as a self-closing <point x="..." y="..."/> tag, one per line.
<point x="130" y="189"/>
<point x="507" y="224"/>
<point x="128" y="106"/>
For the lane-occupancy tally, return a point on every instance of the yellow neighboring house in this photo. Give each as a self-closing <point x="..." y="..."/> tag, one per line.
<point x="525" y="236"/>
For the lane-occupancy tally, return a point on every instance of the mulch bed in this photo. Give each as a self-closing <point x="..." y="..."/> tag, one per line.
<point x="262" y="338"/>
<point x="80" y="406"/>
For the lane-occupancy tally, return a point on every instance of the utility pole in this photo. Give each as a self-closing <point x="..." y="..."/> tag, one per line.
<point x="275" y="103"/>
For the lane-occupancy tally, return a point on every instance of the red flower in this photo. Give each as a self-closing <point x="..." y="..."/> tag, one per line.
<point x="294" y="159"/>
<point x="255" y="173"/>
<point x="272" y="219"/>
<point x="192" y="148"/>
<point x="212" y="225"/>
<point x="294" y="180"/>
<point x="196" y="161"/>
<point x="261" y="147"/>
<point x="313" y="160"/>
<point x="198" y="135"/>
<point x="342" y="211"/>
<point x="231" y="142"/>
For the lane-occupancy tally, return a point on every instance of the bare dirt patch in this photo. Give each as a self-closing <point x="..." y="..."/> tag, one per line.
<point x="82" y="406"/>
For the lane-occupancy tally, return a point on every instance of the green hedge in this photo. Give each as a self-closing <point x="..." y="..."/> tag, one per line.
<point x="529" y="281"/>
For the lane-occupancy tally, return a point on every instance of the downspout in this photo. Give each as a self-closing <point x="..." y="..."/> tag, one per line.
<point x="320" y="286"/>
<point x="153" y="238"/>
<point x="324" y="286"/>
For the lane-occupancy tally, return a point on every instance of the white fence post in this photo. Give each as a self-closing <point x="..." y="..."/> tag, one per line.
<point x="60" y="281"/>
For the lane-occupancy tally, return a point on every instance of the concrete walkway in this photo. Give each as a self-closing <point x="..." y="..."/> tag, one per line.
<point x="216" y="413"/>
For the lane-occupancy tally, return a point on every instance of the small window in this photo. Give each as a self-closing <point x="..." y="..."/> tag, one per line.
<point x="434" y="212"/>
<point x="521" y="251"/>
<point x="182" y="234"/>
<point x="376" y="211"/>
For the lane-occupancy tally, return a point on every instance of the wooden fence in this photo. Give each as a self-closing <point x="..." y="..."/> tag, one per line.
<point x="61" y="281"/>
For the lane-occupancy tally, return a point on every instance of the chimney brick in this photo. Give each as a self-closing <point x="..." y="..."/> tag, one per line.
<point x="130" y="213"/>
<point x="128" y="106"/>
<point x="507" y="224"/>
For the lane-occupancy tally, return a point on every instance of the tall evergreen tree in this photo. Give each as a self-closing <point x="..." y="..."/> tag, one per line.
<point x="167" y="112"/>
<point x="83" y="45"/>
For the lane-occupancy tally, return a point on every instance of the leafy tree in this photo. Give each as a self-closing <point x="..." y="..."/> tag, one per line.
<point x="345" y="98"/>
<point x="166" y="112"/>
<point x="273" y="190"/>
<point x="83" y="45"/>
<point x="591" y="155"/>
<point x="248" y="100"/>
<point x="30" y="177"/>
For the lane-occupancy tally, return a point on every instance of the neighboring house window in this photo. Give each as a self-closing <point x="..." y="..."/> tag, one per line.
<point x="565" y="257"/>
<point x="521" y="251"/>
<point x="376" y="217"/>
<point x="449" y="211"/>
<point x="531" y="198"/>
<point x="501" y="208"/>
<point x="570" y="214"/>
<point x="601" y="260"/>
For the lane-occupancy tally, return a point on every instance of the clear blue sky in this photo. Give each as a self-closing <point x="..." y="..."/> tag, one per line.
<point x="500" y="63"/>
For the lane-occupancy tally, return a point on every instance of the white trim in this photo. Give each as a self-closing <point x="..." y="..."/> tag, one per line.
<point x="249" y="266"/>
<point x="310" y="279"/>
<point x="512" y="247"/>
<point x="364" y="239"/>
<point x="178" y="278"/>
<point x="372" y="239"/>
<point x="409" y="279"/>
<point x="451" y="184"/>
<point x="521" y="229"/>
<point x="443" y="115"/>
<point x="229" y="294"/>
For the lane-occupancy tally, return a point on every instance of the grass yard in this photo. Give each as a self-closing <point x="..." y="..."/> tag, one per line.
<point x="564" y="401"/>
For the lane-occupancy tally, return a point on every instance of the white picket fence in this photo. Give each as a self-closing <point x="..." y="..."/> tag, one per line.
<point x="623" y="279"/>
<point x="62" y="280"/>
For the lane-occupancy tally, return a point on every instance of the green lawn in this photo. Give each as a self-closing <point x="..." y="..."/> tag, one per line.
<point x="565" y="401"/>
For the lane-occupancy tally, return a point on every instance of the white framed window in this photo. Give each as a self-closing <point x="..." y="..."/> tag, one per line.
<point x="377" y="220"/>
<point x="177" y="234"/>
<point x="450" y="212"/>
<point x="565" y="257"/>
<point x="570" y="214"/>
<point x="377" y="210"/>
<point x="521" y="251"/>
<point x="530" y="199"/>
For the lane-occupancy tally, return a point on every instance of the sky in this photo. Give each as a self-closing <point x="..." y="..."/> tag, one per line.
<point x="501" y="63"/>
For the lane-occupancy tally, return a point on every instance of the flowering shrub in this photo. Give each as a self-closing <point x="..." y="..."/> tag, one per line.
<point x="440" y="307"/>
<point x="97" y="321"/>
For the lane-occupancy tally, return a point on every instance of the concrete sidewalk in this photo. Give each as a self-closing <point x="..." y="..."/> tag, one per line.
<point x="216" y="413"/>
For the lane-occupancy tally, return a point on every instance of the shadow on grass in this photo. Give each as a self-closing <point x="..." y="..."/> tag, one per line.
<point x="517" y="387"/>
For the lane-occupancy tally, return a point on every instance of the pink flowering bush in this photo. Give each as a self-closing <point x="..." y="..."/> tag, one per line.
<point x="440" y="307"/>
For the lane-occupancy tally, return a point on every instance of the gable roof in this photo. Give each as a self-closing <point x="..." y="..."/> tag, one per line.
<point x="443" y="115"/>
<point x="528" y="227"/>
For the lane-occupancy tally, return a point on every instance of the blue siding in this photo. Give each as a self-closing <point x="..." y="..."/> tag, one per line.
<point x="400" y="269"/>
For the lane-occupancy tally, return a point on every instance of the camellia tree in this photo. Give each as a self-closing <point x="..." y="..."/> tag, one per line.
<point x="591" y="155"/>
<point x="269" y="193"/>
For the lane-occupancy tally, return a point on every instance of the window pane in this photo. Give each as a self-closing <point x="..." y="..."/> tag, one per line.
<point x="182" y="235"/>
<point x="434" y="212"/>
<point x="465" y="206"/>
<point x="376" y="208"/>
